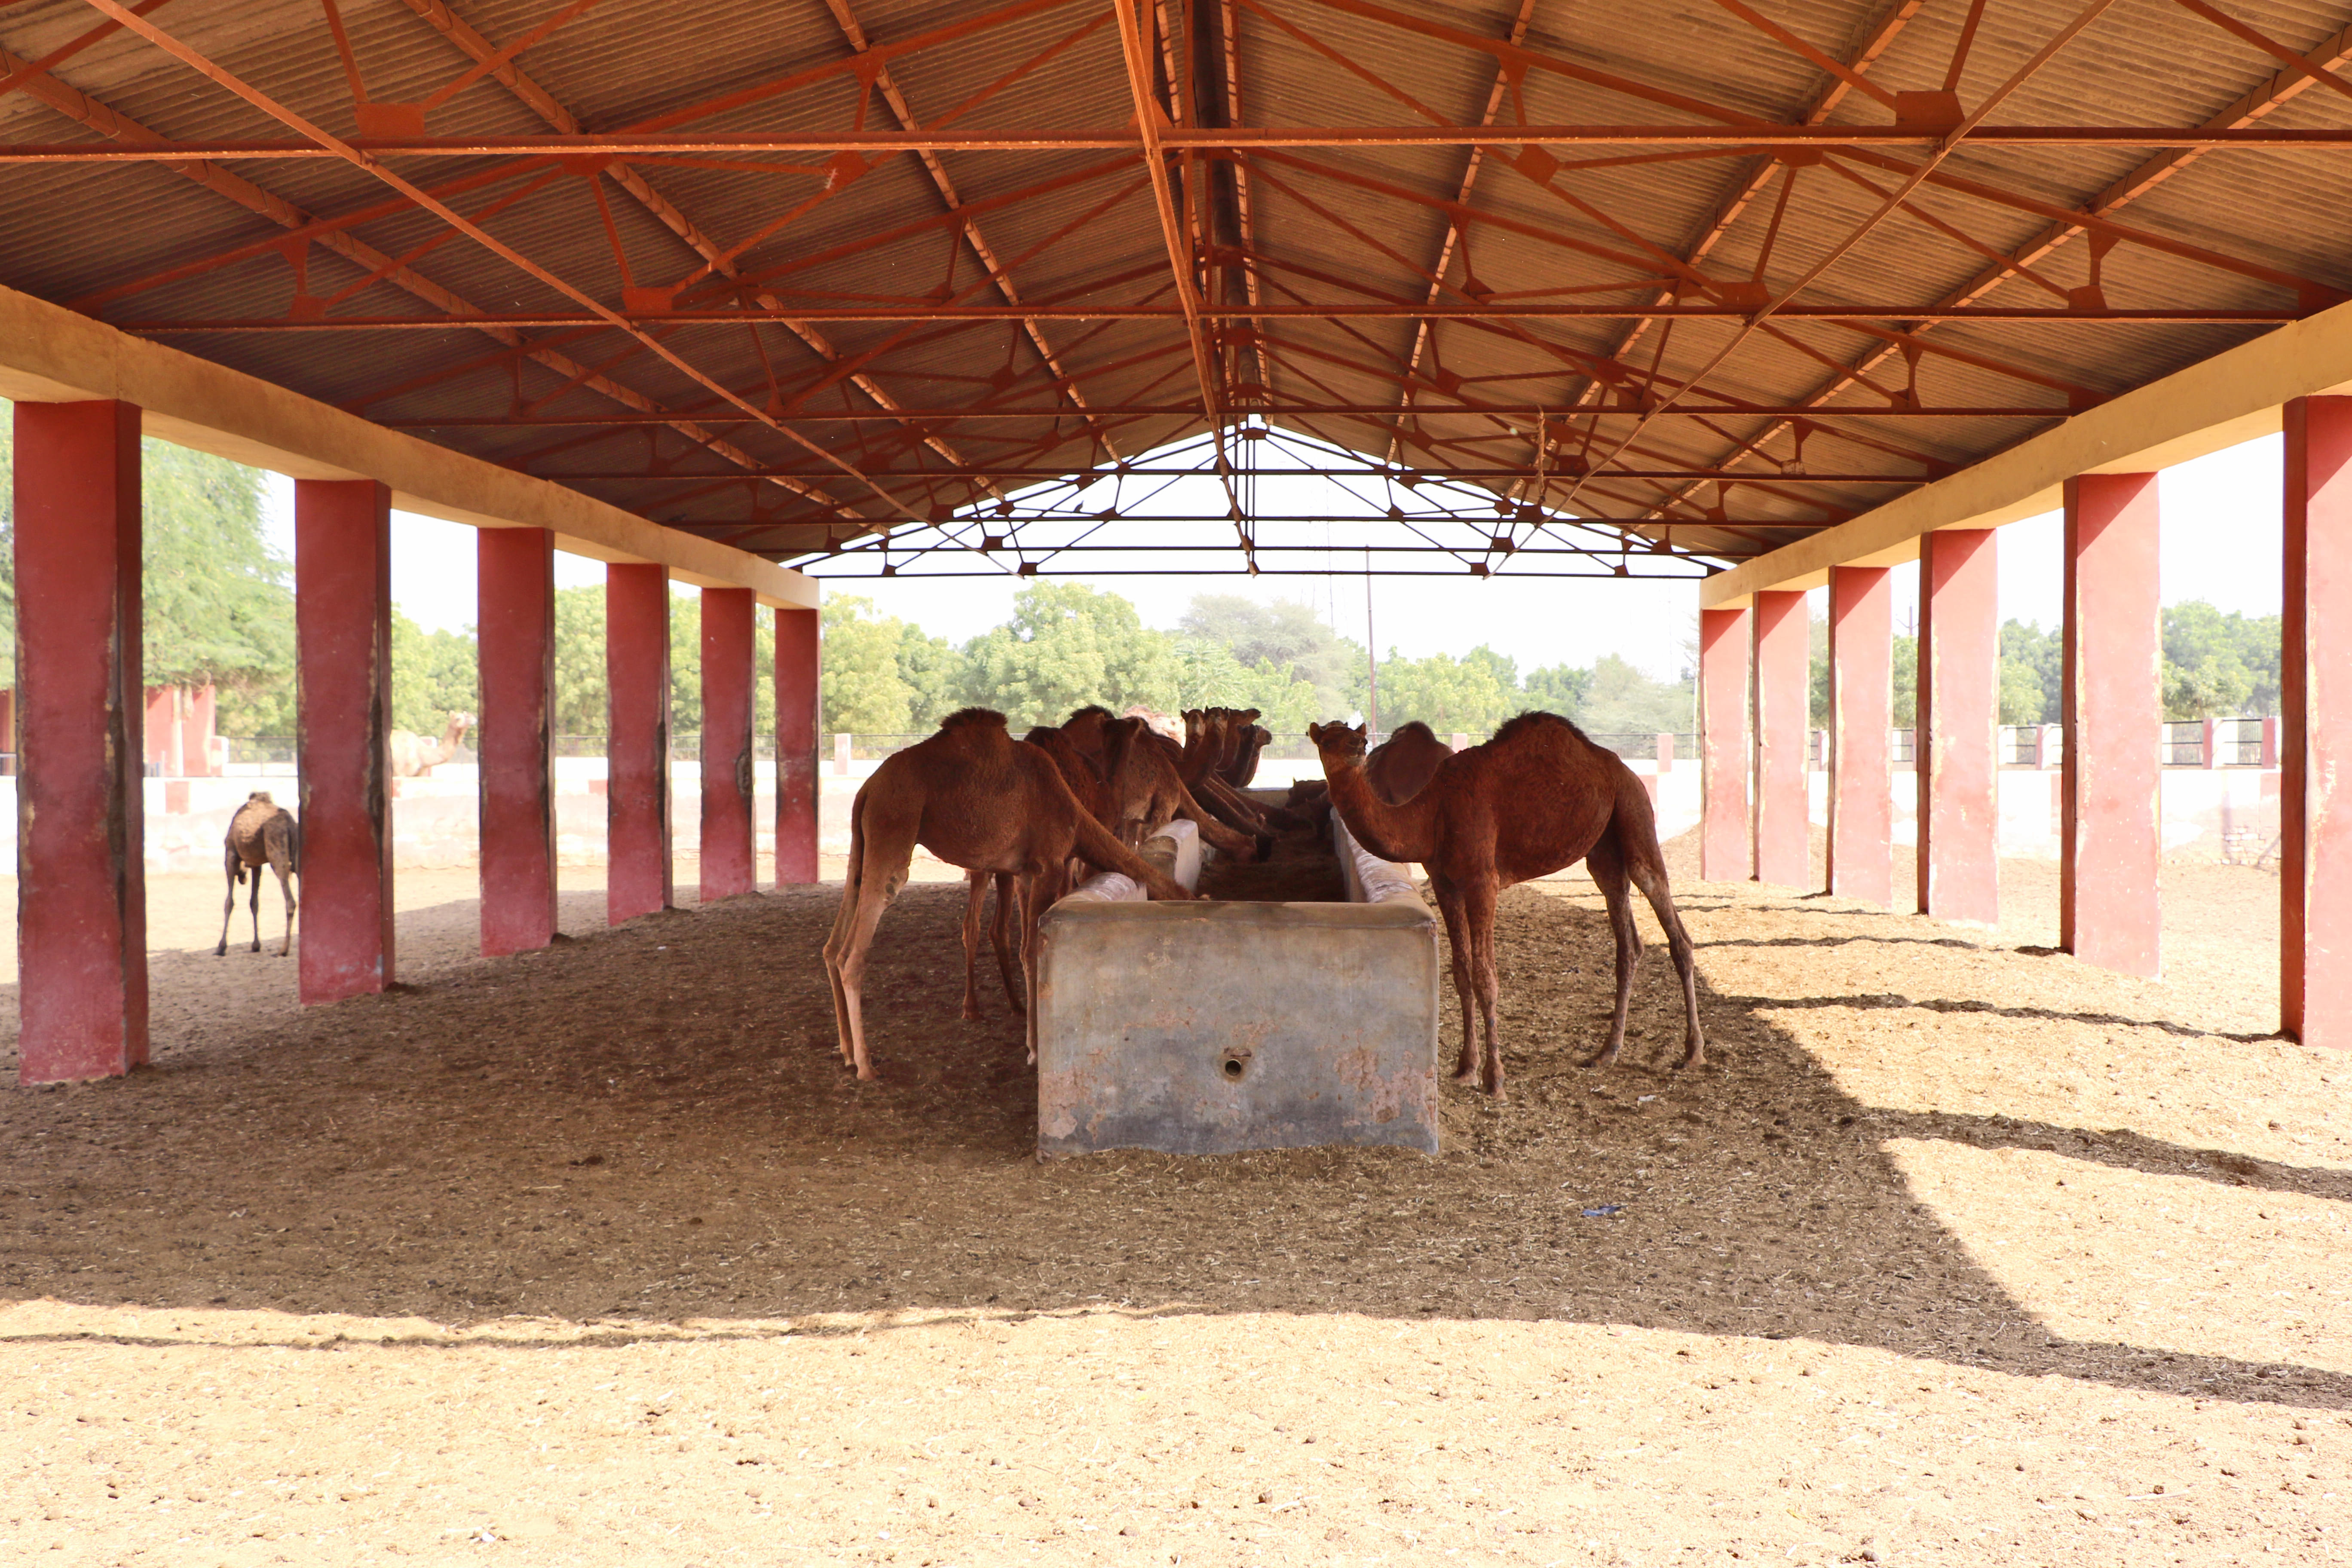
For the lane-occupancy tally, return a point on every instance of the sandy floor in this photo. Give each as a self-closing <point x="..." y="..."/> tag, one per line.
<point x="1955" y="1252"/>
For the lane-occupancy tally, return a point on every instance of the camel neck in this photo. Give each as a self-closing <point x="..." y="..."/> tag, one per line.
<point x="1394" y="833"/>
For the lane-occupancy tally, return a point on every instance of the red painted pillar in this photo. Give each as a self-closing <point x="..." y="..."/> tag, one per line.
<point x="201" y="728"/>
<point x="2108" y="848"/>
<point x="727" y="788"/>
<point x="1783" y="729"/>
<point x="796" y="746"/>
<point x="342" y="630"/>
<point x="1861" y="756"/>
<point x="1724" y="822"/>
<point x="1958" y="733"/>
<point x="159" y="718"/>
<point x="637" y="878"/>
<point x="81" y="893"/>
<point x="2316" y="729"/>
<point x="518" y="672"/>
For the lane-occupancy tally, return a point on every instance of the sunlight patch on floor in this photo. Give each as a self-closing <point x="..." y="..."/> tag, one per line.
<point x="2103" y="1254"/>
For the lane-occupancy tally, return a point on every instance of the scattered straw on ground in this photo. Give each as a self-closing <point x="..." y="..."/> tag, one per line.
<point x="1957" y="1251"/>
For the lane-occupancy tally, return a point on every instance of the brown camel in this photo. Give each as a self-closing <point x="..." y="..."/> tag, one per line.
<point x="1146" y="794"/>
<point x="411" y="755"/>
<point x="1252" y="740"/>
<point x="1208" y="740"/>
<point x="1000" y="937"/>
<point x="262" y="832"/>
<point x="1536" y="798"/>
<point x="1400" y="767"/>
<point x="976" y="797"/>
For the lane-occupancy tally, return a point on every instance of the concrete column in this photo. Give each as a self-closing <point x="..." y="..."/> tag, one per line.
<point x="2108" y="845"/>
<point x="81" y="893"/>
<point x="342" y="632"/>
<point x="518" y="803"/>
<point x="158" y="718"/>
<point x="637" y="878"/>
<point x="797" y="788"/>
<point x="1665" y="753"/>
<point x="1862" y="767"/>
<point x="1724" y="822"/>
<point x="727" y="646"/>
<point x="2316" y="729"/>
<point x="1783" y="731"/>
<point x="1959" y="739"/>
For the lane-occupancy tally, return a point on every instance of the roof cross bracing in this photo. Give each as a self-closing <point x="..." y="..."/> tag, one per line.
<point x="1682" y="287"/>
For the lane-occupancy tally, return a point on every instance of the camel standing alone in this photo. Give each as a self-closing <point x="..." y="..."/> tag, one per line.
<point x="1537" y="797"/>
<point x="976" y="797"/>
<point x="411" y="755"/>
<point x="262" y="832"/>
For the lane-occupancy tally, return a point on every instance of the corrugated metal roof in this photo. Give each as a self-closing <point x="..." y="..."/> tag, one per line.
<point x="153" y="244"/>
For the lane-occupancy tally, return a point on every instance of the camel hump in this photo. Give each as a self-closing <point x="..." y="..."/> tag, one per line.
<point x="259" y="797"/>
<point x="969" y="716"/>
<point x="1537" y="719"/>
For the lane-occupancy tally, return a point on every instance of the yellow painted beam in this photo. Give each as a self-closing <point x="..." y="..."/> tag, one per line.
<point x="51" y="354"/>
<point x="2231" y="397"/>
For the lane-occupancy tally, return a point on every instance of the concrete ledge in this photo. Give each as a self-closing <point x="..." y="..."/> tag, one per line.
<point x="1211" y="1027"/>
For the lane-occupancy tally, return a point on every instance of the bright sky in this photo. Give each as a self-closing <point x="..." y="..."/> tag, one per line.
<point x="2222" y="542"/>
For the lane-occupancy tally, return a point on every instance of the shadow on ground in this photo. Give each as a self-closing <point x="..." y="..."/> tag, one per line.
<point x="650" y="1124"/>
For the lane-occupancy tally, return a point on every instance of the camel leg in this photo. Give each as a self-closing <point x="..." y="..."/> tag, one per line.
<point x="1457" y="943"/>
<point x="1478" y="913"/>
<point x="256" y="909"/>
<point x="1608" y="868"/>
<point x="1041" y="892"/>
<point x="975" y="897"/>
<point x="880" y="852"/>
<point x="1647" y="868"/>
<point x="228" y="906"/>
<point x="285" y="871"/>
<point x="1002" y="932"/>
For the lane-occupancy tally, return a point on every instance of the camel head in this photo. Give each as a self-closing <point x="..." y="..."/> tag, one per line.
<point x="1338" y="743"/>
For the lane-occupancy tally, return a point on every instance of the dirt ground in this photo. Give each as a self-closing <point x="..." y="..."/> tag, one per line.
<point x="1956" y="1251"/>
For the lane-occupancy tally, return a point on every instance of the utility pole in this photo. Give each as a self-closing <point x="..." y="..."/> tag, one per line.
<point x="1371" y="656"/>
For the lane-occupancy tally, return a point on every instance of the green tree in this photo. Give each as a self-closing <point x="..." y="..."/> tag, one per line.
<point x="434" y="675"/>
<point x="1558" y="688"/>
<point x="2219" y="665"/>
<point x="219" y="606"/>
<point x="1450" y="695"/>
<point x="1068" y="645"/>
<point x="1903" y="710"/>
<point x="583" y="703"/>
<point x="1286" y="635"/>
<point x="1624" y="700"/>
<point x="2031" y="672"/>
<point x="865" y="693"/>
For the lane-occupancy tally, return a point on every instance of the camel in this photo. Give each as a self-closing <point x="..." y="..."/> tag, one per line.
<point x="1209" y="740"/>
<point x="1000" y="937"/>
<point x="1251" y="740"/>
<point x="1536" y="798"/>
<point x="977" y="798"/>
<point x="1400" y="767"/>
<point x="1146" y="794"/>
<point x="412" y="755"/>
<point x="262" y="832"/>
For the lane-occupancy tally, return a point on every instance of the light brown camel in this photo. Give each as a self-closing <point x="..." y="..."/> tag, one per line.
<point x="1536" y="798"/>
<point x="976" y="797"/>
<point x="1400" y="767"/>
<point x="1144" y="794"/>
<point x="262" y="832"/>
<point x="411" y="755"/>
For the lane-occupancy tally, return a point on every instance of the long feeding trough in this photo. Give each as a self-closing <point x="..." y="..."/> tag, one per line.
<point x="1239" y="1022"/>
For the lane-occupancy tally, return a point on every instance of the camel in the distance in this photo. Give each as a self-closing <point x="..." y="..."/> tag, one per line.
<point x="1146" y="794"/>
<point x="1400" y="767"/>
<point x="977" y="798"/>
<point x="1535" y="799"/>
<point x="411" y="755"/>
<point x="262" y="832"/>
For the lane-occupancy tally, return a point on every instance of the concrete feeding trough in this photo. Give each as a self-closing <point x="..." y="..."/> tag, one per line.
<point x="1235" y="1024"/>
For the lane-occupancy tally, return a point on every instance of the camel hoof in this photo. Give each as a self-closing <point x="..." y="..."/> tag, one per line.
<point x="1466" y="1075"/>
<point x="971" y="1015"/>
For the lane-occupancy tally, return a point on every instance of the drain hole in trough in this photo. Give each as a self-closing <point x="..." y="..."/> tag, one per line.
<point x="1234" y="1066"/>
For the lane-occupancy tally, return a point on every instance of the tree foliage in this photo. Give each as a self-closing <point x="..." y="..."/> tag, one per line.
<point x="2218" y="665"/>
<point x="1068" y="645"/>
